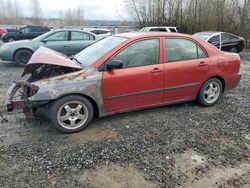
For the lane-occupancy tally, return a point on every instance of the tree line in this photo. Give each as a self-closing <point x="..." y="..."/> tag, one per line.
<point x="12" y="13"/>
<point x="191" y="16"/>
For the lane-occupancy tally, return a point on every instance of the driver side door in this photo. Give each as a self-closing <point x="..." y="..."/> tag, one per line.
<point x="139" y="83"/>
<point x="57" y="41"/>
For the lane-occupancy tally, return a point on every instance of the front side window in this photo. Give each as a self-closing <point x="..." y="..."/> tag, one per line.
<point x="183" y="49"/>
<point x="25" y="30"/>
<point x="58" y="36"/>
<point x="81" y="36"/>
<point x="141" y="53"/>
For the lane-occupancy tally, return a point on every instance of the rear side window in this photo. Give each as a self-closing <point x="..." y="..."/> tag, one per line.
<point x="183" y="49"/>
<point x="173" y="30"/>
<point x="158" y="29"/>
<point x="227" y="37"/>
<point x="76" y="36"/>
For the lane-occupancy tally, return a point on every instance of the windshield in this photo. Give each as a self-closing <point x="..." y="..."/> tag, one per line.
<point x="203" y="36"/>
<point x="94" y="52"/>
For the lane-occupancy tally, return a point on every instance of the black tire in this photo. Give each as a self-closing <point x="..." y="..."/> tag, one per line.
<point x="22" y="57"/>
<point x="59" y="107"/>
<point x="202" y="97"/>
<point x="10" y="39"/>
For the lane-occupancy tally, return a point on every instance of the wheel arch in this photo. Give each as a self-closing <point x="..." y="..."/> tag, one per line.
<point x="222" y="80"/>
<point x="19" y="49"/>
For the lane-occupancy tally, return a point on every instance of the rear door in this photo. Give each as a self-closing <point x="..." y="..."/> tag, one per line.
<point x="187" y="66"/>
<point x="139" y="83"/>
<point x="58" y="41"/>
<point x="79" y="40"/>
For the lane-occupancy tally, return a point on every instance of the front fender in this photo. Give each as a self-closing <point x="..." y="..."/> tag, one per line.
<point x="55" y="88"/>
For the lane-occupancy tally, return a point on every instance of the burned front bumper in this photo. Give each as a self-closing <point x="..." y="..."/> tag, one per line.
<point x="17" y="98"/>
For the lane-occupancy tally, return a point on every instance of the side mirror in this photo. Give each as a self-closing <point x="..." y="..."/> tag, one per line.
<point x="20" y="32"/>
<point x="114" y="64"/>
<point x="44" y="41"/>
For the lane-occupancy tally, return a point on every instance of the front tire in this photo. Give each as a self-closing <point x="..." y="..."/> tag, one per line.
<point x="210" y="93"/>
<point x="71" y="113"/>
<point x="22" y="57"/>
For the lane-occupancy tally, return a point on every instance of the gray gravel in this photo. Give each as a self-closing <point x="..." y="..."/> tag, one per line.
<point x="154" y="141"/>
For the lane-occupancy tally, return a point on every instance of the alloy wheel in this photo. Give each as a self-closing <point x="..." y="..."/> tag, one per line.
<point x="72" y="115"/>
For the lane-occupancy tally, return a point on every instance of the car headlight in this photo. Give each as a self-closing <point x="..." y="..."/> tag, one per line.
<point x="5" y="47"/>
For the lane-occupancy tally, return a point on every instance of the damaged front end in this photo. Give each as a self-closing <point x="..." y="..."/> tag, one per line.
<point x="17" y="97"/>
<point x="39" y="67"/>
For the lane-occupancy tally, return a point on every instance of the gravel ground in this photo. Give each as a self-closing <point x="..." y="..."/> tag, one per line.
<point x="181" y="145"/>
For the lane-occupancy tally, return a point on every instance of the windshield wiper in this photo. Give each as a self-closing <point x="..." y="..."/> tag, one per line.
<point x="76" y="60"/>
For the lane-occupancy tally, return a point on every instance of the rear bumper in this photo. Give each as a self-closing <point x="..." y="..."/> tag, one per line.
<point x="232" y="82"/>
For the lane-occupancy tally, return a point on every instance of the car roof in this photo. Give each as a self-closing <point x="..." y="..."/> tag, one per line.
<point x="160" y="26"/>
<point x="131" y="35"/>
<point x="80" y="30"/>
<point x="90" y="29"/>
<point x="210" y="32"/>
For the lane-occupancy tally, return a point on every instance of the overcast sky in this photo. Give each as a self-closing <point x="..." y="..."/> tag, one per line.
<point x="94" y="9"/>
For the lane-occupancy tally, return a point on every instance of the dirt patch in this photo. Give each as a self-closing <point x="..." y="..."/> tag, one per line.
<point x="222" y="176"/>
<point x="94" y="134"/>
<point x="115" y="176"/>
<point x="192" y="164"/>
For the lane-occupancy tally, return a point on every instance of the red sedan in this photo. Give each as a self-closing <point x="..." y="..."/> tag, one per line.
<point x="123" y="73"/>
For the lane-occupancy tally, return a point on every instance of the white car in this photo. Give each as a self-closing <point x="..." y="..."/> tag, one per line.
<point x="159" y="29"/>
<point x="102" y="33"/>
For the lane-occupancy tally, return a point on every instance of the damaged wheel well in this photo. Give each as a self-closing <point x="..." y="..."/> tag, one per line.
<point x="95" y="106"/>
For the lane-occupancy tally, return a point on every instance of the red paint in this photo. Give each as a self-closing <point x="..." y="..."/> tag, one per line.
<point x="137" y="81"/>
<point x="3" y="31"/>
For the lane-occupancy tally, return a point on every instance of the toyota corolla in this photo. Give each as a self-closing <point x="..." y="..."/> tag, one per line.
<point x="123" y="73"/>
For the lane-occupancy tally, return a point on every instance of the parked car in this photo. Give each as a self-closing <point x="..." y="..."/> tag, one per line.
<point x="28" y="32"/>
<point x="102" y="33"/>
<point x="123" y="73"/>
<point x="223" y="41"/>
<point x="68" y="42"/>
<point x="2" y="31"/>
<point x="159" y="29"/>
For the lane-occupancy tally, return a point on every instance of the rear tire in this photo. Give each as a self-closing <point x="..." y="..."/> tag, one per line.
<point x="210" y="93"/>
<point x="22" y="57"/>
<point x="71" y="114"/>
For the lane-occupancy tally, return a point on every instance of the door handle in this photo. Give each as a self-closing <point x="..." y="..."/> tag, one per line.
<point x="156" y="70"/>
<point x="203" y="64"/>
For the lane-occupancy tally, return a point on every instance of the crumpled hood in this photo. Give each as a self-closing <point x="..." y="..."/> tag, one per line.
<point x="50" y="57"/>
